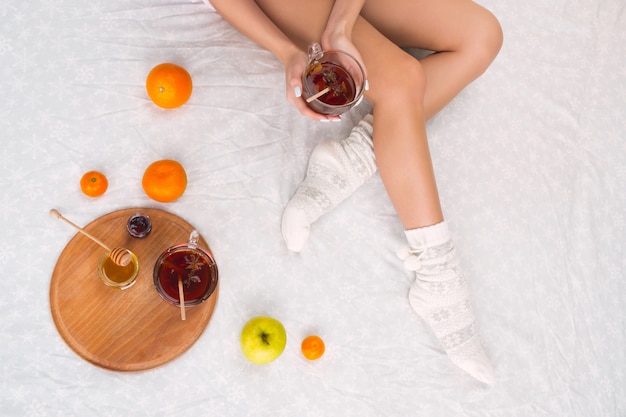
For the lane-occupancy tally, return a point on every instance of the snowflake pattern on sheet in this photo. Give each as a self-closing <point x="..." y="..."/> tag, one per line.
<point x="530" y="165"/>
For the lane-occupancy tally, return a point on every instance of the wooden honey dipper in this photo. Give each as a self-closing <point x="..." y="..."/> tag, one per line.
<point x="119" y="256"/>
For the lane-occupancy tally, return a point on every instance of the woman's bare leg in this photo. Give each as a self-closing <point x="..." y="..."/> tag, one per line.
<point x="404" y="93"/>
<point x="464" y="36"/>
<point x="397" y="89"/>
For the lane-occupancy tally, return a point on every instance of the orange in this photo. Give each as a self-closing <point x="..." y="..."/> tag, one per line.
<point x="169" y="85"/>
<point x="313" y="347"/>
<point x="164" y="180"/>
<point x="94" y="183"/>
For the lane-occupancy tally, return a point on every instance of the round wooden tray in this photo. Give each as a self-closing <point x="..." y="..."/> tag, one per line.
<point x="124" y="330"/>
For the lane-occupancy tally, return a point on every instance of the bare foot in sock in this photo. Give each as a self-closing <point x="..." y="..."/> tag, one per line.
<point x="441" y="297"/>
<point x="335" y="171"/>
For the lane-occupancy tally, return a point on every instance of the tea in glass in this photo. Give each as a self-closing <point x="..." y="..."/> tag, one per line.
<point x="193" y="266"/>
<point x="327" y="74"/>
<point x="337" y="72"/>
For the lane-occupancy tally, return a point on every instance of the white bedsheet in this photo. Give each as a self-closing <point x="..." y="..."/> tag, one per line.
<point x="531" y="165"/>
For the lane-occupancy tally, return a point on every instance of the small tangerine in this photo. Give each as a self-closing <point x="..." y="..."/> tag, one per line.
<point x="313" y="347"/>
<point x="94" y="183"/>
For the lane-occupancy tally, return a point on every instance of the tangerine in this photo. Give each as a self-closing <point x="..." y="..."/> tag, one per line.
<point x="93" y="183"/>
<point x="164" y="180"/>
<point x="313" y="347"/>
<point x="169" y="85"/>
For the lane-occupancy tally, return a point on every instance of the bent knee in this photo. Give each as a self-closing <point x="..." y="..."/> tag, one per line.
<point x="399" y="80"/>
<point x="486" y="39"/>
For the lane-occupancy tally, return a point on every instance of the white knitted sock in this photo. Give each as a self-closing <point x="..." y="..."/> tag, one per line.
<point x="441" y="297"/>
<point x="335" y="171"/>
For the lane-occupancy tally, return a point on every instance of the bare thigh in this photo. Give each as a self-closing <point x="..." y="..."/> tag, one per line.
<point x="466" y="37"/>
<point x="303" y="21"/>
<point x="462" y="27"/>
<point x="437" y="25"/>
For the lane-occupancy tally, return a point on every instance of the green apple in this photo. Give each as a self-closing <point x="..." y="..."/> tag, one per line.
<point x="263" y="339"/>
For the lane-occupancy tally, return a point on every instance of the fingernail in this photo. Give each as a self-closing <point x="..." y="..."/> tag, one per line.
<point x="367" y="85"/>
<point x="297" y="91"/>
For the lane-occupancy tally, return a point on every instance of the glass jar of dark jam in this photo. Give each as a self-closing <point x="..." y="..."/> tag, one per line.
<point x="139" y="225"/>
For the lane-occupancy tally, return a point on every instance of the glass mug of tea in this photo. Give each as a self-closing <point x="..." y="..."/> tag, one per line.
<point x="190" y="264"/>
<point x="332" y="81"/>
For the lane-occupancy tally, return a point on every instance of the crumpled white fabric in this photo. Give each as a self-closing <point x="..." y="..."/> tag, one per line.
<point x="207" y="2"/>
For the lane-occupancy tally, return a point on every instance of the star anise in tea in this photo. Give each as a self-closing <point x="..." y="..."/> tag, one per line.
<point x="191" y="279"/>
<point x="194" y="262"/>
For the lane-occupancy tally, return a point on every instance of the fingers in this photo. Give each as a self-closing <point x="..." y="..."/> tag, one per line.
<point x="343" y="43"/>
<point x="305" y="110"/>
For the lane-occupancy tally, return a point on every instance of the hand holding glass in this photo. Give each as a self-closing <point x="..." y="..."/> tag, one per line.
<point x="332" y="81"/>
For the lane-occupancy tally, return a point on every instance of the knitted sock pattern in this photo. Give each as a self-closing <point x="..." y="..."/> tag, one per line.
<point x="441" y="297"/>
<point x="335" y="171"/>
